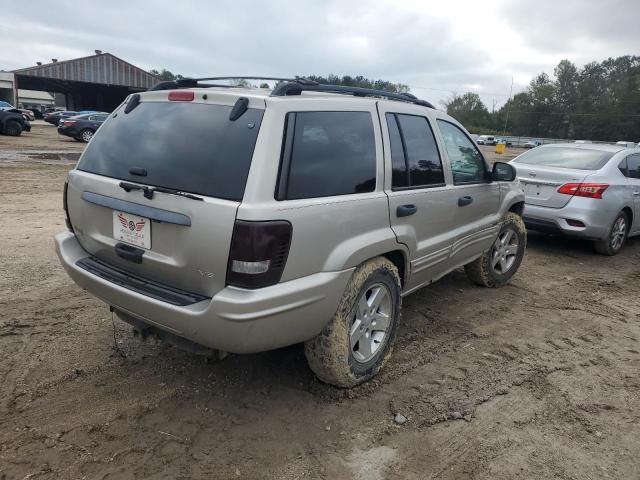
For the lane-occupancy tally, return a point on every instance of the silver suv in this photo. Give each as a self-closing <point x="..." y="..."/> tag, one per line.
<point x="245" y="220"/>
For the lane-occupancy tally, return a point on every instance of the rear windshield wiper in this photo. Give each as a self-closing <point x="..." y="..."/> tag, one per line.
<point x="148" y="191"/>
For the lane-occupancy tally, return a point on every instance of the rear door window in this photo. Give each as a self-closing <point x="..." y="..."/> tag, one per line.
<point x="414" y="153"/>
<point x="633" y="166"/>
<point x="327" y="154"/>
<point x="185" y="146"/>
<point x="467" y="163"/>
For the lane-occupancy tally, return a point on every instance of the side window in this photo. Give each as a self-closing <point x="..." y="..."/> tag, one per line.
<point x="633" y="166"/>
<point x="92" y="118"/>
<point x="622" y="166"/>
<point x="414" y="153"/>
<point x="101" y="118"/>
<point x="467" y="164"/>
<point x="327" y="154"/>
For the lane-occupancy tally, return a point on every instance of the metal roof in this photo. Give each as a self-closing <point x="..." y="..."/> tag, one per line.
<point x="103" y="68"/>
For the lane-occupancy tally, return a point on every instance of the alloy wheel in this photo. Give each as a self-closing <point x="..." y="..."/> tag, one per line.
<point x="618" y="233"/>
<point x="505" y="251"/>
<point x="371" y="322"/>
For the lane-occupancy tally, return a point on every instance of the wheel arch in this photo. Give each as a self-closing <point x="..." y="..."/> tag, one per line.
<point x="628" y="211"/>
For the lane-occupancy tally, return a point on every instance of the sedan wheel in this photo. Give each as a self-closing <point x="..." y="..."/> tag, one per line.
<point x="86" y="135"/>
<point x="614" y="242"/>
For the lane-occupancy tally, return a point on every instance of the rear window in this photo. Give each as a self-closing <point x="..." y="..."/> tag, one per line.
<point x="565" y="157"/>
<point x="186" y="146"/>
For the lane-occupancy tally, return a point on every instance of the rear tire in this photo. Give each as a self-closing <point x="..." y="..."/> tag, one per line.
<point x="501" y="262"/>
<point x="86" y="135"/>
<point x="12" y="128"/>
<point x="359" y="339"/>
<point x="616" y="238"/>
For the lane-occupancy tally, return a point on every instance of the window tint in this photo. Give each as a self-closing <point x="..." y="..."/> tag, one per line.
<point x="331" y="153"/>
<point x="633" y="166"/>
<point x="187" y="146"/>
<point x="566" y="157"/>
<point x="399" y="172"/>
<point x="413" y="149"/>
<point x="467" y="164"/>
<point x="622" y="166"/>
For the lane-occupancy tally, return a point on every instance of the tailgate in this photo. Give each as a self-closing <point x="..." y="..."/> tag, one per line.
<point x="188" y="243"/>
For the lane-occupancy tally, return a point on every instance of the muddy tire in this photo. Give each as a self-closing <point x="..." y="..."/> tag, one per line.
<point x="616" y="238"/>
<point x="359" y="339"/>
<point x="497" y="265"/>
<point x="12" y="128"/>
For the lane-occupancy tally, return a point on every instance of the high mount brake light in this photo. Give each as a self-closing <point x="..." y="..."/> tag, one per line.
<point x="181" y="96"/>
<point x="258" y="253"/>
<point x="589" y="190"/>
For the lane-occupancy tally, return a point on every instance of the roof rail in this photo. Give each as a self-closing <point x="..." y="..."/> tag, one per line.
<point x="293" y="86"/>
<point x="297" y="88"/>
<point x="195" y="82"/>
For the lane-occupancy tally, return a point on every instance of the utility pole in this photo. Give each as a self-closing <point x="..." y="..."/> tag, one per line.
<point x="504" y="133"/>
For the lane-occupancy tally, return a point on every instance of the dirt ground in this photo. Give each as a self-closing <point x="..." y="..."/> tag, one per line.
<point x="539" y="379"/>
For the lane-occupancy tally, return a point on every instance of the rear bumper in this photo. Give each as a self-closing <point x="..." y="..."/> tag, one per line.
<point x="234" y="320"/>
<point x="596" y="218"/>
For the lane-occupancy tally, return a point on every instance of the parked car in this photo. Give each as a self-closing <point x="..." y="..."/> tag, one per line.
<point x="82" y="127"/>
<point x="6" y="106"/>
<point x="486" y="140"/>
<point x="504" y="141"/>
<point x="246" y="221"/>
<point x="626" y="144"/>
<point x="590" y="191"/>
<point x="37" y="114"/>
<point x="54" y="117"/>
<point x="13" y="123"/>
<point x="533" y="143"/>
<point x="583" y="141"/>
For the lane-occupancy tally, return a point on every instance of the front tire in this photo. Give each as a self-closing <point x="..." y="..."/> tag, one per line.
<point x="359" y="339"/>
<point x="616" y="238"/>
<point x="501" y="262"/>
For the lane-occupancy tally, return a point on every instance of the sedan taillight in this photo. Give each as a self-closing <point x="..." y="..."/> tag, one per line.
<point x="589" y="190"/>
<point x="258" y="253"/>
<point x="68" y="123"/>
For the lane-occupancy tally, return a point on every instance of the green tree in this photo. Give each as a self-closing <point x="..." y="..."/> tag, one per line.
<point x="469" y="110"/>
<point x="165" y="75"/>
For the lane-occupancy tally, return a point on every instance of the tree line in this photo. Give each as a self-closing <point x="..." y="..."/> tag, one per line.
<point x="600" y="101"/>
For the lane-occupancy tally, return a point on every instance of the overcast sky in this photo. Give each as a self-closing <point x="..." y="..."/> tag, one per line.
<point x="436" y="47"/>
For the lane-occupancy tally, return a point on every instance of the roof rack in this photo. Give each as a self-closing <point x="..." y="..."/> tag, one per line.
<point x="297" y="88"/>
<point x="194" y="82"/>
<point x="292" y="86"/>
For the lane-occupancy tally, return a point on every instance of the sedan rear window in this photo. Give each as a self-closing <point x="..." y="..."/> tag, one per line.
<point x="185" y="146"/>
<point x="566" y="157"/>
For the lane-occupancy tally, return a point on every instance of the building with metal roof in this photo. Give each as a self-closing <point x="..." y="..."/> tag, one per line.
<point x="96" y="82"/>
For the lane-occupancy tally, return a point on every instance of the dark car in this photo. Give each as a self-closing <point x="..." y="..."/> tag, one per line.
<point x="37" y="114"/>
<point x="12" y="122"/>
<point x="54" y="117"/>
<point x="82" y="127"/>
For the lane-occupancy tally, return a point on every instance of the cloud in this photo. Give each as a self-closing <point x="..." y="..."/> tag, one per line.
<point x="434" y="47"/>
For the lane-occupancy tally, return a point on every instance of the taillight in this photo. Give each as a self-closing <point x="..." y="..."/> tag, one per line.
<point x="181" y="96"/>
<point x="65" y="205"/>
<point x="68" y="123"/>
<point x="258" y="253"/>
<point x="590" y="190"/>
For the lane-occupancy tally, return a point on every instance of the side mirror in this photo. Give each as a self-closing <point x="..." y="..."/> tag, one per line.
<point x="503" y="172"/>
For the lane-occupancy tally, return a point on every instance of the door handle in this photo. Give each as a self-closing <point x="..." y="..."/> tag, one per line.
<point x="636" y="193"/>
<point x="406" y="210"/>
<point x="462" y="201"/>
